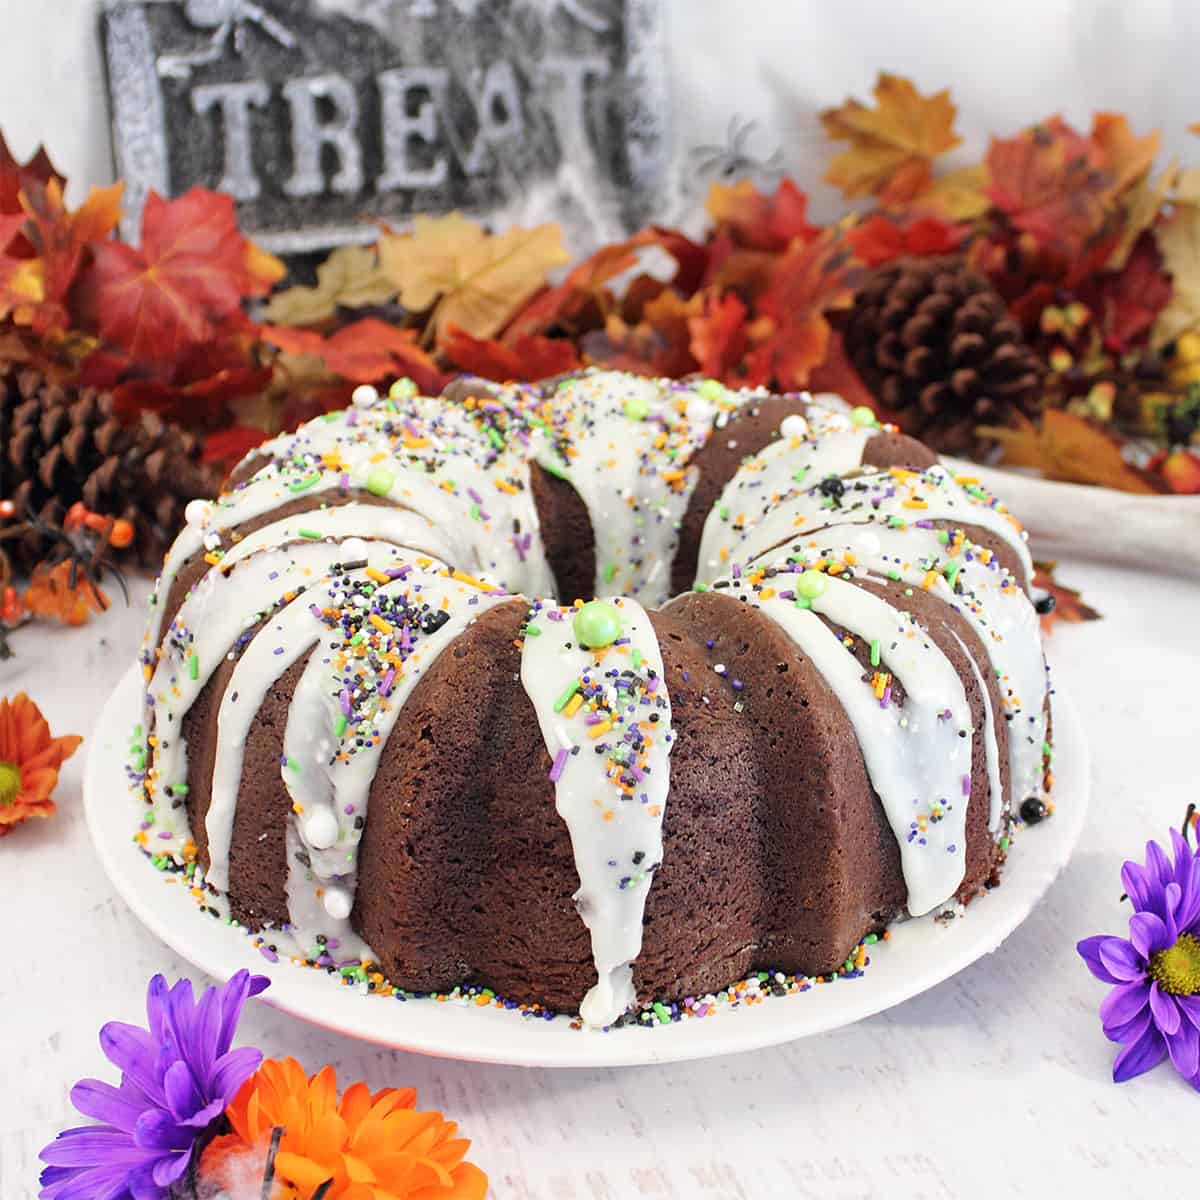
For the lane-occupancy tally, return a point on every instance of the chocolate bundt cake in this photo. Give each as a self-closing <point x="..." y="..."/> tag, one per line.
<point x="373" y="727"/>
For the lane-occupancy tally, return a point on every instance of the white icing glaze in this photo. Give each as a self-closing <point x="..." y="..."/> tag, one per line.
<point x="990" y="747"/>
<point x="917" y="756"/>
<point x="344" y="708"/>
<point x="615" y="823"/>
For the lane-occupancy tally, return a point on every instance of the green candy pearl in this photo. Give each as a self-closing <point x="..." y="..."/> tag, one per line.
<point x="402" y="389"/>
<point x="811" y="584"/>
<point x="597" y="624"/>
<point x="379" y="481"/>
<point x="862" y="415"/>
<point x="637" y="409"/>
<point x="711" y="389"/>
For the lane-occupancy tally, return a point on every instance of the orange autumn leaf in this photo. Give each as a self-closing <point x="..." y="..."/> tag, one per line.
<point x="879" y="239"/>
<point x="892" y="145"/>
<point x="1068" y="604"/>
<point x="758" y="221"/>
<point x="1051" y="183"/>
<point x="365" y="351"/>
<point x="363" y="1146"/>
<point x="529" y="357"/>
<point x="65" y="593"/>
<point x="806" y="283"/>
<point x="16" y="176"/>
<point x="1068" y="448"/>
<point x="1127" y="158"/>
<point x="719" y="338"/>
<point x="30" y="760"/>
<point x="659" y="344"/>
<point x="184" y="287"/>
<point x="60" y="239"/>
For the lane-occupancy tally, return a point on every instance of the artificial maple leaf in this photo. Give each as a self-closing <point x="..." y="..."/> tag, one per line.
<point x="1051" y="183"/>
<point x="657" y="345"/>
<point x="197" y="403"/>
<point x="59" y="239"/>
<point x="691" y="258"/>
<point x="227" y="447"/>
<point x="65" y="593"/>
<point x="758" y="221"/>
<point x="365" y="351"/>
<point x="892" y="145"/>
<point x="806" y="283"/>
<point x="1142" y="205"/>
<point x="467" y="276"/>
<point x="22" y="284"/>
<point x="530" y="357"/>
<point x="959" y="195"/>
<point x="1179" y="241"/>
<point x="1068" y="604"/>
<point x="1127" y="158"/>
<point x="186" y="284"/>
<point x="15" y="176"/>
<point x="718" y="337"/>
<point x="1069" y="448"/>
<point x="1128" y="301"/>
<point x="879" y="239"/>
<point x="580" y="300"/>
<point x="351" y="277"/>
<point x="835" y="374"/>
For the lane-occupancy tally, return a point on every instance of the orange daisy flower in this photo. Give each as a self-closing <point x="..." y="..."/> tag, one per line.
<point x="29" y="762"/>
<point x="363" y="1147"/>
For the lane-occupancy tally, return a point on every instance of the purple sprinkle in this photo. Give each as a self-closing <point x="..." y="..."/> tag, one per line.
<point x="475" y="496"/>
<point x="923" y="524"/>
<point x="344" y="698"/>
<point x="560" y="763"/>
<point x="389" y="677"/>
<point x="278" y="650"/>
<point x="344" y="484"/>
<point x="887" y="695"/>
<point x="966" y="785"/>
<point x="268" y="954"/>
<point x="165" y="835"/>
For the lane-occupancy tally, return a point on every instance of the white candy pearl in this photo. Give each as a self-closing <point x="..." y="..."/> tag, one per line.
<point x="364" y="395"/>
<point x="794" y="426"/>
<point x="320" y="828"/>
<point x="197" y="512"/>
<point x="338" y="903"/>
<point x="699" y="410"/>
<point x="867" y="543"/>
<point x="353" y="549"/>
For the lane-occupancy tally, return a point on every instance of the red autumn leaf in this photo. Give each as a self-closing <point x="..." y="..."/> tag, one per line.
<point x="1128" y="301"/>
<point x="835" y="373"/>
<point x="761" y="222"/>
<point x="657" y="345"/>
<point x="227" y="447"/>
<point x="201" y="402"/>
<point x="528" y="358"/>
<point x="1051" y="183"/>
<point x="10" y="225"/>
<point x="807" y="282"/>
<point x="186" y="284"/>
<point x="365" y="351"/>
<point x="879" y="239"/>
<point x="15" y="176"/>
<point x="691" y="258"/>
<point x="641" y="291"/>
<point x="718" y="336"/>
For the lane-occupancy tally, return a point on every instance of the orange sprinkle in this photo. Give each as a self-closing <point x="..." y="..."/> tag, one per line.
<point x="377" y="575"/>
<point x="599" y="730"/>
<point x="383" y="626"/>
<point x="463" y="577"/>
<point x="573" y="705"/>
<point x="503" y="485"/>
<point x="916" y="502"/>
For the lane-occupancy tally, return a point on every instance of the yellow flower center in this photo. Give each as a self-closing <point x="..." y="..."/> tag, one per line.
<point x="10" y="783"/>
<point x="1177" y="968"/>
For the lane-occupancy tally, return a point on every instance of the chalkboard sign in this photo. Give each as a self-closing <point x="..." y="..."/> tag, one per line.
<point x="316" y="115"/>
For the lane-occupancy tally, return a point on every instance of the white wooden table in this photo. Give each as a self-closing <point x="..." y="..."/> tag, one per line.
<point x="995" y="1084"/>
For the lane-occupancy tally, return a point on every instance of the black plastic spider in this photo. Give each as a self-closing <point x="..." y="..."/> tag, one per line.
<point x="732" y="158"/>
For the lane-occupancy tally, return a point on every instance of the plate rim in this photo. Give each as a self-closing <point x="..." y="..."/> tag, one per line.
<point x="461" y="1030"/>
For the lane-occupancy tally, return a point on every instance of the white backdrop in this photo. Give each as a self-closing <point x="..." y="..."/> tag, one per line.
<point x="776" y="61"/>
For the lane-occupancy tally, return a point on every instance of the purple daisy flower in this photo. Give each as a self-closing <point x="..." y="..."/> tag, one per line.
<point x="177" y="1078"/>
<point x="1154" y="1006"/>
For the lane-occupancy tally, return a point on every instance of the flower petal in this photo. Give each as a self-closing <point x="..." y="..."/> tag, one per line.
<point x="232" y="1070"/>
<point x="106" y="1182"/>
<point x="1140" y="1056"/>
<point x="136" y="1053"/>
<point x="1121" y="960"/>
<point x="1184" y="1048"/>
<point x="1137" y="887"/>
<point x="1131" y="1030"/>
<point x="1190" y="1007"/>
<point x="183" y="1097"/>
<point x="1158" y="863"/>
<point x="1089" y="951"/>
<point x="142" y="1185"/>
<point x="103" y="1102"/>
<point x="1123" y="1003"/>
<point x="158" y="1130"/>
<point x="167" y="1170"/>
<point x="1166" y="1015"/>
<point x="1148" y="933"/>
<point x="156" y="1007"/>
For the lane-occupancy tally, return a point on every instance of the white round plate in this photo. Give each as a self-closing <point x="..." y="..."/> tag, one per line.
<point x="918" y="955"/>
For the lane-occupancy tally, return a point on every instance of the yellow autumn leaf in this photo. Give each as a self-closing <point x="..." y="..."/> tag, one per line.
<point x="1142" y="205"/>
<point x="1179" y="243"/>
<point x="351" y="276"/>
<point x="1068" y="448"/>
<point x="959" y="195"/>
<point x="891" y="145"/>
<point x="470" y="278"/>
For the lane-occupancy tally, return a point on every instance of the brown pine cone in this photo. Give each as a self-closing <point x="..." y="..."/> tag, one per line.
<point x="935" y="343"/>
<point x="60" y="445"/>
